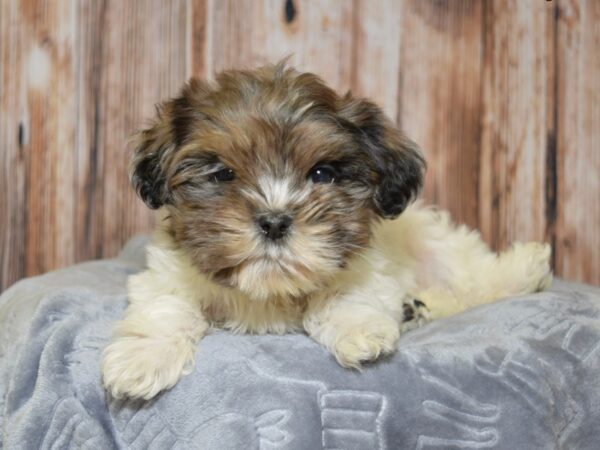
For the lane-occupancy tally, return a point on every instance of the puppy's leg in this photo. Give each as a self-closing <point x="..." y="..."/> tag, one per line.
<point x="460" y="271"/>
<point x="357" y="330"/>
<point x="353" y="333"/>
<point x="154" y="344"/>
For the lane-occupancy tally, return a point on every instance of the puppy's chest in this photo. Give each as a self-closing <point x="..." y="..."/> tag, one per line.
<point x="256" y="316"/>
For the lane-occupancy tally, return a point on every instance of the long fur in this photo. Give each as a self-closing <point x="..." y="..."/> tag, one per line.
<point x="222" y="155"/>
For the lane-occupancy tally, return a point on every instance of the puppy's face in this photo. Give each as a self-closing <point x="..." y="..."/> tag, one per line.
<point x="272" y="181"/>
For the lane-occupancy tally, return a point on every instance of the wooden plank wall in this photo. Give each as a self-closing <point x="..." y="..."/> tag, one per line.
<point x="503" y="97"/>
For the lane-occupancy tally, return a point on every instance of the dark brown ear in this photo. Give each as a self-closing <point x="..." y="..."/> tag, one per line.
<point x="396" y="159"/>
<point x="156" y="145"/>
<point x="153" y="146"/>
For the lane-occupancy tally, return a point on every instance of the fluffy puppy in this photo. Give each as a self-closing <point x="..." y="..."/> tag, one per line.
<point x="274" y="190"/>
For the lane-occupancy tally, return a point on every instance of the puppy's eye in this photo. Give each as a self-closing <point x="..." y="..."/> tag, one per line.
<point x="322" y="174"/>
<point x="223" y="175"/>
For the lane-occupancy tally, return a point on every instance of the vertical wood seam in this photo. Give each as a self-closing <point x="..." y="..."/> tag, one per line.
<point x="97" y="64"/>
<point x="489" y="205"/>
<point x="482" y="110"/>
<point x="551" y="179"/>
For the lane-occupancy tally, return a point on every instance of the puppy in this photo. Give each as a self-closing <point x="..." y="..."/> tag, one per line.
<point x="287" y="208"/>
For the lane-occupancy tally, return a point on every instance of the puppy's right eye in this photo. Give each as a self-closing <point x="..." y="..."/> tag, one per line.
<point x="223" y="175"/>
<point x="323" y="173"/>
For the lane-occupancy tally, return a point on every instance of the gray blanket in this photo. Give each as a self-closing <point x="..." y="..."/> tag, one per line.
<point x="519" y="374"/>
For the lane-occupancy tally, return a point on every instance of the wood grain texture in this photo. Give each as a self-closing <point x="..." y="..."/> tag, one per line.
<point x="77" y="79"/>
<point x="14" y="137"/>
<point x="49" y="64"/>
<point x="515" y="121"/>
<point x="143" y="61"/>
<point x="578" y="140"/>
<point x="503" y="97"/>
<point x="245" y="34"/>
<point x="440" y="98"/>
<point x="375" y="63"/>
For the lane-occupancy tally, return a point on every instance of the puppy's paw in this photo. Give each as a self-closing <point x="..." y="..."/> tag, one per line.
<point x="366" y="341"/>
<point x="141" y="367"/>
<point x="416" y="314"/>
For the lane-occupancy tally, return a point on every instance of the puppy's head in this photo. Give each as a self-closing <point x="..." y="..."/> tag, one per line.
<point x="272" y="180"/>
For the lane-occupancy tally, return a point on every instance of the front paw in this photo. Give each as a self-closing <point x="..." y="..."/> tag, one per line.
<point x="366" y="341"/>
<point x="141" y="367"/>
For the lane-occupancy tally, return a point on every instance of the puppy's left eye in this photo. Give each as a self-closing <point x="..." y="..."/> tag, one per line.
<point x="223" y="175"/>
<point x="322" y="174"/>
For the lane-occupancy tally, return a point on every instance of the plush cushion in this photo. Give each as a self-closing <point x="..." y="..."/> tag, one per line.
<point x="521" y="373"/>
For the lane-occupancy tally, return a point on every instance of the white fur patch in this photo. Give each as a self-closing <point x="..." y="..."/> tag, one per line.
<point x="277" y="194"/>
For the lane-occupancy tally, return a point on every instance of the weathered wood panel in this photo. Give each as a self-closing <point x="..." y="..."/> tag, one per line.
<point x="197" y="34"/>
<point x="503" y="97"/>
<point x="13" y="139"/>
<point x="316" y="36"/>
<point x="375" y="63"/>
<point x="517" y="70"/>
<point x="440" y="98"/>
<point x="89" y="192"/>
<point x="42" y="118"/>
<point x="77" y="79"/>
<point x="143" y="61"/>
<point x="578" y="140"/>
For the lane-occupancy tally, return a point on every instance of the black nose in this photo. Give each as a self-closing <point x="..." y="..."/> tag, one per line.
<point x="275" y="225"/>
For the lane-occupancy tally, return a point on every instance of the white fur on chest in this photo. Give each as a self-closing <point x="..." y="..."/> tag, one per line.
<point x="371" y="277"/>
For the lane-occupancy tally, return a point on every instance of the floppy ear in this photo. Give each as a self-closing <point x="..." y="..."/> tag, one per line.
<point x="397" y="160"/>
<point x="147" y="171"/>
<point x="156" y="145"/>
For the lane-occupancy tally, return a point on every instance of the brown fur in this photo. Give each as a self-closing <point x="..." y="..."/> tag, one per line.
<point x="278" y="123"/>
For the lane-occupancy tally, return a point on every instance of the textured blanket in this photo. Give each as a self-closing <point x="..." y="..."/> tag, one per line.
<point x="522" y="373"/>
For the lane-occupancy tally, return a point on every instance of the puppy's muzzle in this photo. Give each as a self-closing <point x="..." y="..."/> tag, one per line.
<point x="274" y="225"/>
